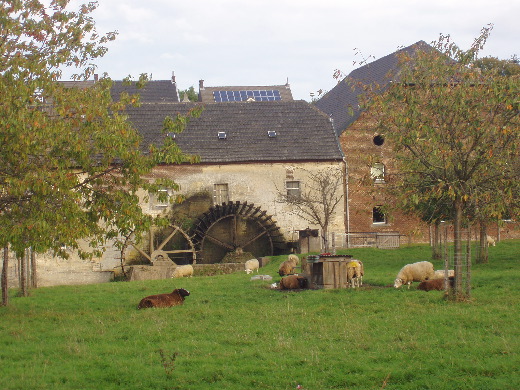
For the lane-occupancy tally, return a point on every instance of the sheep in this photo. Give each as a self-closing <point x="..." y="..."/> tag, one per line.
<point x="440" y="274"/>
<point x="355" y="272"/>
<point x="490" y="241"/>
<point x="251" y="265"/>
<point x="293" y="282"/>
<point x="294" y="258"/>
<point x="175" y="298"/>
<point x="416" y="272"/>
<point x="183" y="270"/>
<point x="434" y="284"/>
<point x="287" y="267"/>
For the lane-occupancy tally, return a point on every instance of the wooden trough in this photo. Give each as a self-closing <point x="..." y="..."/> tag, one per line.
<point x="327" y="271"/>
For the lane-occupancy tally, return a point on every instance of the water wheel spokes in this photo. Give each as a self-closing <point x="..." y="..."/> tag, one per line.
<point x="236" y="227"/>
<point x="153" y="251"/>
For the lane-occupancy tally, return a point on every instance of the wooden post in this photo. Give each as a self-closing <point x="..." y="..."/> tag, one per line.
<point x="34" y="279"/>
<point x="468" y="264"/>
<point x="23" y="273"/>
<point x="5" y="265"/>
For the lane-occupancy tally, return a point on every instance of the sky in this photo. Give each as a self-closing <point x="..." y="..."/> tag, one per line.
<point x="271" y="42"/>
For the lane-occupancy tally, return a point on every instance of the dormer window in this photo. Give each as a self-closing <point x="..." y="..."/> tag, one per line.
<point x="272" y="134"/>
<point x="221" y="135"/>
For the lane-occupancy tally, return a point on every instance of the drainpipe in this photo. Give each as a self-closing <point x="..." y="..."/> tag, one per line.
<point x="347" y="211"/>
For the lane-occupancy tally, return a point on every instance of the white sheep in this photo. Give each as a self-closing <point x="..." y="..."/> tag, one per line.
<point x="293" y="258"/>
<point x="182" y="271"/>
<point x="440" y="274"/>
<point x="416" y="272"/>
<point x="490" y="241"/>
<point x="355" y="272"/>
<point x="251" y="265"/>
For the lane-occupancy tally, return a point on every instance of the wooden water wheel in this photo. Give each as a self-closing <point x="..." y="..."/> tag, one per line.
<point x="160" y="246"/>
<point x="235" y="227"/>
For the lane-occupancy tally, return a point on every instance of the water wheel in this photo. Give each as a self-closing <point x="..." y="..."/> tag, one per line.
<point x="166" y="245"/>
<point x="235" y="227"/>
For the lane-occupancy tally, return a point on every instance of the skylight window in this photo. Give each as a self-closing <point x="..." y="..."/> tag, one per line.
<point x="221" y="135"/>
<point x="272" y="134"/>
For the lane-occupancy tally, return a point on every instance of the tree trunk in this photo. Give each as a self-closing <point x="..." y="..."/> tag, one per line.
<point x="483" y="256"/>
<point x="458" y="254"/>
<point x="325" y="239"/>
<point x="5" y="294"/>
<point x="436" y="242"/>
<point x="23" y="274"/>
<point x="34" y="280"/>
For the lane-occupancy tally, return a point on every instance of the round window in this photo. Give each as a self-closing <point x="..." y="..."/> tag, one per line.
<point x="379" y="140"/>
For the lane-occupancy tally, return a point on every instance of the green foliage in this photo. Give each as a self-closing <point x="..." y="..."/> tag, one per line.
<point x="233" y="333"/>
<point x="455" y="133"/>
<point x="190" y="92"/>
<point x="455" y="130"/>
<point x="71" y="165"/>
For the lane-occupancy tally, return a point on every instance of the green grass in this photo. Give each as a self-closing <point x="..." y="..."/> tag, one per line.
<point x="233" y="333"/>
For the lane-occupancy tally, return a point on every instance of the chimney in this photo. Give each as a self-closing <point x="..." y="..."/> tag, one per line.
<point x="173" y="77"/>
<point x="96" y="77"/>
<point x="201" y="84"/>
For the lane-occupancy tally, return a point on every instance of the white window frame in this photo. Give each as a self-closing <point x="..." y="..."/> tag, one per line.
<point x="220" y="193"/>
<point x="385" y="217"/>
<point x="154" y="199"/>
<point x="377" y="172"/>
<point x="293" y="188"/>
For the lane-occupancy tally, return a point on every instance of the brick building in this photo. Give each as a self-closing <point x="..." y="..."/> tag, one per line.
<point x="369" y="155"/>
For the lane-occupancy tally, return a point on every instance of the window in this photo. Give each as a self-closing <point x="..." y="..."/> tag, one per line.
<point x="161" y="199"/>
<point x="378" y="216"/>
<point x="220" y="193"/>
<point x="379" y="140"/>
<point x="377" y="173"/>
<point x="293" y="188"/>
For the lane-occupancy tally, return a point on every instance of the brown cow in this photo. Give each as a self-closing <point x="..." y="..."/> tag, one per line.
<point x="175" y="298"/>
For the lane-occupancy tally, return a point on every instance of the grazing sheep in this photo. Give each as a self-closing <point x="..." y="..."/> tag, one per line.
<point x="490" y="241"/>
<point x="416" y="272"/>
<point x="251" y="265"/>
<point x="440" y="274"/>
<point x="287" y="267"/>
<point x="293" y="282"/>
<point x="293" y="258"/>
<point x="182" y="271"/>
<point x="175" y="298"/>
<point x="434" y="284"/>
<point x="355" y="272"/>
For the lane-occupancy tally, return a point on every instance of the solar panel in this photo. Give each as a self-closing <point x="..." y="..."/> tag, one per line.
<point x="260" y="95"/>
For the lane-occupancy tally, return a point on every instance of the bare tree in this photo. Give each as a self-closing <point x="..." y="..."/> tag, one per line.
<point x="318" y="199"/>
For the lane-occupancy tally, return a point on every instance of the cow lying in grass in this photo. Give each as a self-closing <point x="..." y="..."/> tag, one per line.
<point x="175" y="298"/>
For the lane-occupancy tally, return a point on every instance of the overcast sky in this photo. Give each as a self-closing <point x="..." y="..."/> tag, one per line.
<point x="240" y="42"/>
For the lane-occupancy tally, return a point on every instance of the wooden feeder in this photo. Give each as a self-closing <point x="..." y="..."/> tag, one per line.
<point x="328" y="271"/>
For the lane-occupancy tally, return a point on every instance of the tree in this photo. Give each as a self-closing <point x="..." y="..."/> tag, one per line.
<point x="190" y="93"/>
<point x="454" y="129"/>
<point x="317" y="201"/>
<point x="510" y="67"/>
<point x="71" y="164"/>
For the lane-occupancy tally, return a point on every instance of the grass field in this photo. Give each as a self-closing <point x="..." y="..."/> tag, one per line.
<point x="233" y="333"/>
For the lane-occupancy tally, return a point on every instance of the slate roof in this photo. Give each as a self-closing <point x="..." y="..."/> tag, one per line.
<point x="341" y="103"/>
<point x="153" y="91"/>
<point x="303" y="133"/>
<point x="206" y="93"/>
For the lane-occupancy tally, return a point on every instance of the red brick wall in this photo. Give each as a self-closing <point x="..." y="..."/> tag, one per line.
<point x="357" y="143"/>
